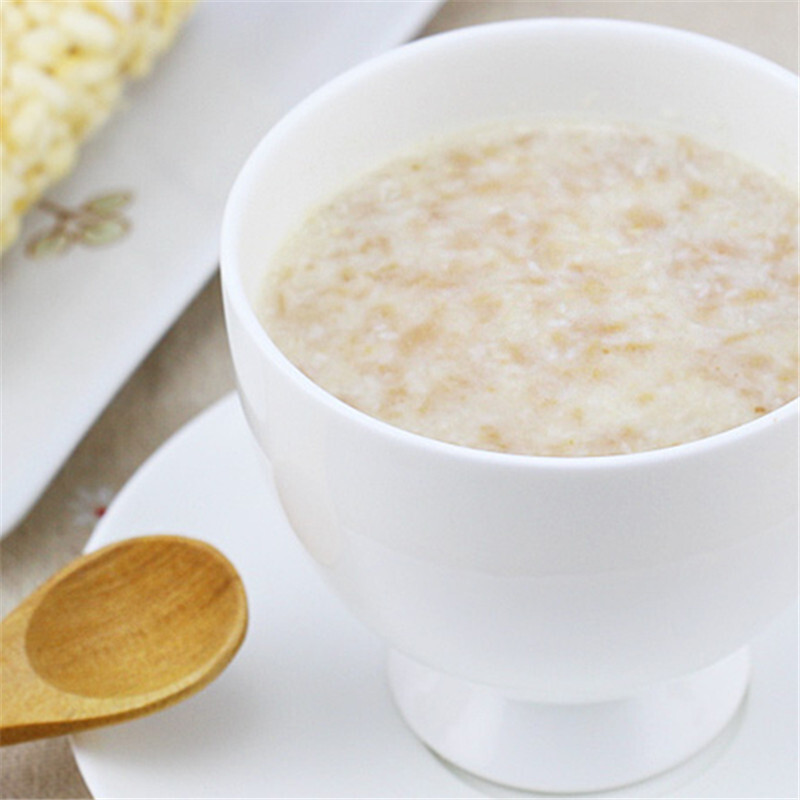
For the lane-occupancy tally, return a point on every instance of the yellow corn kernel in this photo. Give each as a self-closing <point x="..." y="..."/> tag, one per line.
<point x="64" y="67"/>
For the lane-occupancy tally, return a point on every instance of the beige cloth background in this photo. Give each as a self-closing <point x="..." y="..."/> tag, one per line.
<point x="190" y="368"/>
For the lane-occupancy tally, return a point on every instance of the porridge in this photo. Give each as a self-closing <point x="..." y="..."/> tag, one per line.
<point x="558" y="289"/>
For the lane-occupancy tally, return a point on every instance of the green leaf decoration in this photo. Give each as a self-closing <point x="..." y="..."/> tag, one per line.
<point x="108" y="204"/>
<point x="51" y="243"/>
<point x="99" y="221"/>
<point x="103" y="232"/>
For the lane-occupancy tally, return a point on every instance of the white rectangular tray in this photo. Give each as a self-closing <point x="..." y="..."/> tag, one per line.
<point x="75" y="325"/>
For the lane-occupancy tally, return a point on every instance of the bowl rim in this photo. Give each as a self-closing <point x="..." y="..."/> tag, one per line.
<point x="236" y="300"/>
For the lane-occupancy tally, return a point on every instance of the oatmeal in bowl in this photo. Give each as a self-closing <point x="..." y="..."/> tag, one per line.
<point x="549" y="289"/>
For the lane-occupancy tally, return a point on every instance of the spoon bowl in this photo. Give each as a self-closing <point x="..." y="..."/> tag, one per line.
<point x="118" y="633"/>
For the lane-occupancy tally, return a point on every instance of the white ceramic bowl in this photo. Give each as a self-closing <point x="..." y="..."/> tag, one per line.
<point x="510" y="585"/>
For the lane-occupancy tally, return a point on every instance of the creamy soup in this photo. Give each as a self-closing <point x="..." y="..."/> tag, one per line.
<point x="557" y="289"/>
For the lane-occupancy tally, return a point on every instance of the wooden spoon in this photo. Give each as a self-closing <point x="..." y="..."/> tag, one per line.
<point x="117" y="634"/>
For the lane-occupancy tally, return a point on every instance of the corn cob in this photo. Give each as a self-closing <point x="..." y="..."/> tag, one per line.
<point x="63" y="68"/>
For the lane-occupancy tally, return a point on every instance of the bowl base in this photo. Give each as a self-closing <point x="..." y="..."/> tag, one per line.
<point x="571" y="747"/>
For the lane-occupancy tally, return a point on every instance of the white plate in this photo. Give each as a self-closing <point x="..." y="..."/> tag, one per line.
<point x="75" y="326"/>
<point x="304" y="710"/>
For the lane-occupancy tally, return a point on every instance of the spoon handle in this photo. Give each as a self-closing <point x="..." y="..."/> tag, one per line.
<point x="31" y="708"/>
<point x="26" y="701"/>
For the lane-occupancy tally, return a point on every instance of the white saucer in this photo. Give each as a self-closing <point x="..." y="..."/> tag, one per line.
<point x="304" y="709"/>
